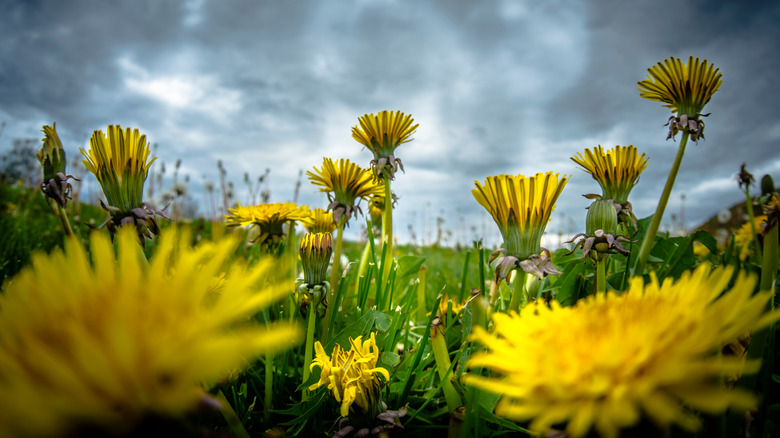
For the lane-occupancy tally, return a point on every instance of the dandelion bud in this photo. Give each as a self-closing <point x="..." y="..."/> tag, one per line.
<point x="602" y="215"/>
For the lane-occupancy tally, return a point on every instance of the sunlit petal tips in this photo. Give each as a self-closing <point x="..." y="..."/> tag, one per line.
<point x="612" y="358"/>
<point x="382" y="134"/>
<point x="95" y="348"/>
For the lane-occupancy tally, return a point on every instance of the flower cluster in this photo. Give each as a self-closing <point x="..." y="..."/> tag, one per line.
<point x="352" y="376"/>
<point x="611" y="358"/>
<point x="107" y="344"/>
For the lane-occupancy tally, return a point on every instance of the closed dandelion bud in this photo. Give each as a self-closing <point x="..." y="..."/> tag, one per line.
<point x="55" y="184"/>
<point x="315" y="251"/>
<point x="602" y="215"/>
<point x="767" y="185"/>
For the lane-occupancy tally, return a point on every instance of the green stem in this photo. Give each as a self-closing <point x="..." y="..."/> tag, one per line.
<point x="387" y="230"/>
<point x="309" y="352"/>
<point x="443" y="364"/>
<point x="64" y="219"/>
<point x="334" y="276"/>
<point x="421" y="308"/>
<point x="649" y="240"/>
<point x="751" y="218"/>
<point x="518" y="292"/>
<point x="601" y="274"/>
<point x="269" y="387"/>
<point x="230" y="416"/>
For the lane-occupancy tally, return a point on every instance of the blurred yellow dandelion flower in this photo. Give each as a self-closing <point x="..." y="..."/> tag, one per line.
<point x="107" y="344"/>
<point x="319" y="221"/>
<point x="381" y="134"/>
<point x="743" y="238"/>
<point x="685" y="88"/>
<point x="612" y="358"/>
<point x="521" y="207"/>
<point x="352" y="376"/>
<point x="269" y="218"/>
<point x="346" y="184"/>
<point x="616" y="170"/>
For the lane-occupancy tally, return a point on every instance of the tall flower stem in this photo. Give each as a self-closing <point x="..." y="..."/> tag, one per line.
<point x="387" y="231"/>
<point x="334" y="277"/>
<point x="59" y="211"/>
<point x="311" y="319"/>
<point x="269" y="387"/>
<point x="601" y="274"/>
<point x="751" y="219"/>
<point x="647" y="243"/>
<point x="442" y="357"/>
<point x="518" y="291"/>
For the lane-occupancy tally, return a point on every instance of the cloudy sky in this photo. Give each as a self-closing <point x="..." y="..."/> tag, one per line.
<point x="513" y="86"/>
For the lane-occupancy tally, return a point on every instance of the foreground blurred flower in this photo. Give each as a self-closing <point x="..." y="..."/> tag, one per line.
<point x="381" y="134"/>
<point x="352" y="376"/>
<point x="55" y="184"/>
<point x="319" y="221"/>
<point x="521" y="207"/>
<point x="611" y="358"/>
<point x="346" y="184"/>
<point x="101" y="347"/>
<point x="269" y="219"/>
<point x="119" y="162"/>
<point x="617" y="171"/>
<point x="685" y="88"/>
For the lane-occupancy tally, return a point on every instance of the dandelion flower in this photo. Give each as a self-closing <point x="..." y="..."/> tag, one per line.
<point x="352" y="376"/>
<point x="617" y="171"/>
<point x="108" y="344"/>
<point x="120" y="162"/>
<point x="315" y="251"/>
<point x="614" y="358"/>
<point x="320" y="221"/>
<point x="521" y="207"/>
<point x="743" y="238"/>
<point x="381" y="134"/>
<point x="269" y="219"/>
<point x="346" y="184"/>
<point x="55" y="185"/>
<point x="685" y="88"/>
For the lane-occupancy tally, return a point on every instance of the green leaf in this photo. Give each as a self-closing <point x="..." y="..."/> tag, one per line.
<point x="389" y="359"/>
<point x="568" y="285"/>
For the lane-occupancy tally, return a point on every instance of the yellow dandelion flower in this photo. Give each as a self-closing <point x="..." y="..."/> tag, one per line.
<point x="521" y="207"/>
<point x="612" y="358"/>
<point x="315" y="251"/>
<point x="107" y="344"/>
<point x="269" y="218"/>
<point x="685" y="88"/>
<point x="55" y="184"/>
<point x="351" y="376"/>
<point x="346" y="184"/>
<point x="772" y="212"/>
<point x="320" y="221"/>
<point x="617" y="170"/>
<point x="381" y="134"/>
<point x="743" y="238"/>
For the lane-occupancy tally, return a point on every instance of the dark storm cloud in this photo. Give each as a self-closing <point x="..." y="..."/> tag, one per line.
<point x="513" y="86"/>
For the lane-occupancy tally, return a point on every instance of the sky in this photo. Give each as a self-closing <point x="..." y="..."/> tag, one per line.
<point x="512" y="86"/>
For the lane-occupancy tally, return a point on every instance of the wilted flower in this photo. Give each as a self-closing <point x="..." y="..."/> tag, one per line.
<point x="103" y="346"/>
<point x="55" y="184"/>
<point x="346" y="184"/>
<point x="120" y="162"/>
<point x="685" y="88"/>
<point x="352" y="376"/>
<point x="381" y="134"/>
<point x="319" y="221"/>
<point x="612" y="358"/>
<point x="269" y="219"/>
<point x="521" y="207"/>
<point x="617" y="171"/>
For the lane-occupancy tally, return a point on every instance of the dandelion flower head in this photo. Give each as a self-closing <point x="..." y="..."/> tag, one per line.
<point x="269" y="218"/>
<point x="685" y="88"/>
<point x="382" y="134"/>
<point x="351" y="376"/>
<point x="319" y="221"/>
<point x="743" y="238"/>
<point x="105" y="344"/>
<point x="346" y="184"/>
<point x="611" y="359"/>
<point x="617" y="170"/>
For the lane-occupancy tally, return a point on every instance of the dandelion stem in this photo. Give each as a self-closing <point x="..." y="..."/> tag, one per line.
<point x="387" y="230"/>
<point x="308" y="353"/>
<point x="59" y="211"/>
<point x="230" y="416"/>
<point x="518" y="291"/>
<point x="269" y="387"/>
<point x="649" y="240"/>
<point x="421" y="308"/>
<point x="334" y="276"/>
<point x="751" y="219"/>
<point x="443" y="364"/>
<point x="601" y="275"/>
